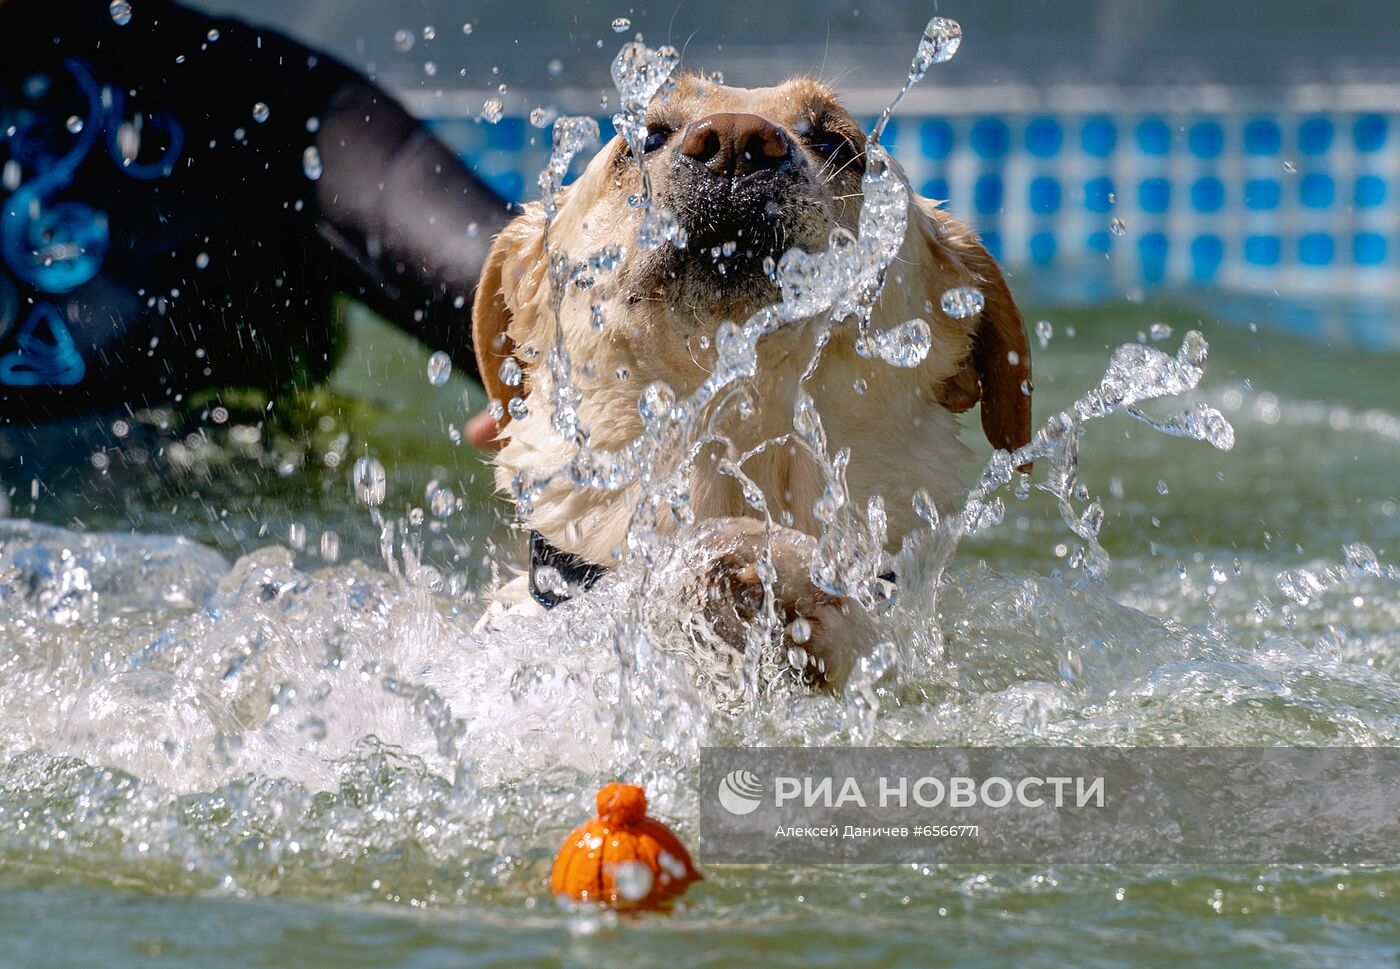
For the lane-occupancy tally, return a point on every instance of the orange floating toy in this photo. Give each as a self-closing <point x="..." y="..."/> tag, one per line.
<point x="622" y="858"/>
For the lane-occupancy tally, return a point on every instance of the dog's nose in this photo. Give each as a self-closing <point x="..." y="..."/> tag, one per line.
<point x="736" y="144"/>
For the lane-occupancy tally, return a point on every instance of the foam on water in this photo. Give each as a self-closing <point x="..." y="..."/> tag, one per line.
<point x="170" y="720"/>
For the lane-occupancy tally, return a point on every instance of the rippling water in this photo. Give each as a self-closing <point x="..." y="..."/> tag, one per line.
<point x="228" y="740"/>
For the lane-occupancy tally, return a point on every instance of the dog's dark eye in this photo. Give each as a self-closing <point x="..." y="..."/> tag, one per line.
<point x="826" y="144"/>
<point x="835" y="148"/>
<point x="656" y="137"/>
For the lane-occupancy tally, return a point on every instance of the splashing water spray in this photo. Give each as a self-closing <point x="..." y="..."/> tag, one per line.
<point x="835" y="287"/>
<point x="296" y="724"/>
<point x="827" y="289"/>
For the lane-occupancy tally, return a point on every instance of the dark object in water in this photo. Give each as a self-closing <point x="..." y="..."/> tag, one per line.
<point x="182" y="196"/>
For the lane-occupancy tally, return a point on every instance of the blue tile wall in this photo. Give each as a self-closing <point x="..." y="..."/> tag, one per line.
<point x="1255" y="201"/>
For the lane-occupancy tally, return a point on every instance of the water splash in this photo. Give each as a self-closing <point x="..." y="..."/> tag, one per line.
<point x="571" y="136"/>
<point x="171" y="721"/>
<point x="905" y="345"/>
<point x="640" y="74"/>
<point x="369" y="481"/>
<point x="1135" y="373"/>
<point x="940" y="42"/>
<point x="962" y="302"/>
<point x="1359" y="562"/>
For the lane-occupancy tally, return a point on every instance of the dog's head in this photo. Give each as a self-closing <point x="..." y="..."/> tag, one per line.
<point x="748" y="174"/>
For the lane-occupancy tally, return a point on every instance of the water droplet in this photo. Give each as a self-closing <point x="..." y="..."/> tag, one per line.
<point x="925" y="508"/>
<point x="1071" y="666"/>
<point x="74" y="124"/>
<point x="656" y="402"/>
<point x="330" y="546"/>
<point x="442" y="501"/>
<point x="941" y="40"/>
<point x="518" y="410"/>
<point x="213" y="35"/>
<point x="800" y="630"/>
<point x="261" y="112"/>
<point x="1118" y="227"/>
<point x="201" y="261"/>
<point x="120" y="11"/>
<point x="555" y="67"/>
<point x="403" y="40"/>
<point x="1159" y="331"/>
<point x="439" y="368"/>
<point x="1162" y="487"/>
<point x="1290" y="168"/>
<point x="633" y="880"/>
<point x="1204" y="423"/>
<point x="659" y="226"/>
<point x="492" y="110"/>
<point x="621" y="25"/>
<point x="1022" y="489"/>
<point x="311" y="163"/>
<point x="430" y="68"/>
<point x="962" y="302"/>
<point x="369" y="481"/>
<point x="1044" y="330"/>
<point x="467" y="29"/>
<point x="429" y="33"/>
<point x="510" y="372"/>
<point x="639" y="73"/>
<point x="905" y="345"/>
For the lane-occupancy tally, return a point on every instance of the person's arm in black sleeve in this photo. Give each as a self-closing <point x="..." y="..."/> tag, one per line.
<point x="164" y="230"/>
<point x="412" y="222"/>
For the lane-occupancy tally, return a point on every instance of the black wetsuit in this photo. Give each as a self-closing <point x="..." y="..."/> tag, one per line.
<point x="181" y="196"/>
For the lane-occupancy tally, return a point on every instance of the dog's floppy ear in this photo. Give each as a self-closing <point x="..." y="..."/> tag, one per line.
<point x="998" y="369"/>
<point x="509" y="298"/>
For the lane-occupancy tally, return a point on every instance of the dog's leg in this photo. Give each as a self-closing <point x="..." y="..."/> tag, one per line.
<point x="831" y="632"/>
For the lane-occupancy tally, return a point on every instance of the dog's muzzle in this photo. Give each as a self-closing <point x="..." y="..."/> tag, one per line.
<point x="731" y="184"/>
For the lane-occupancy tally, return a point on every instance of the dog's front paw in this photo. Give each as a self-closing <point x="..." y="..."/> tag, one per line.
<point x="823" y="635"/>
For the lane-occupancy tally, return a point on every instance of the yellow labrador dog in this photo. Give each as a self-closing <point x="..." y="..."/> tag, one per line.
<point x="748" y="174"/>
